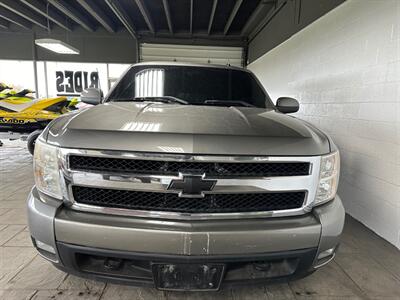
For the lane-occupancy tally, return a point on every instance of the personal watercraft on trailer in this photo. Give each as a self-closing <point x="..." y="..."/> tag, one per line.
<point x="4" y="86"/>
<point x="7" y="92"/>
<point x="22" y="95"/>
<point x="20" y="118"/>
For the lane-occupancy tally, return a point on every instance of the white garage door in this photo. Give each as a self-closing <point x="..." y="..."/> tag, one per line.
<point x="189" y="53"/>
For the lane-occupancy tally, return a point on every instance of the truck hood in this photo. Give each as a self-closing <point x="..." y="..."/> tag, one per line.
<point x="174" y="128"/>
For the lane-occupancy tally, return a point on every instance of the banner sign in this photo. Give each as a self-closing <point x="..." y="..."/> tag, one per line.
<point x="74" y="82"/>
<point x="70" y="79"/>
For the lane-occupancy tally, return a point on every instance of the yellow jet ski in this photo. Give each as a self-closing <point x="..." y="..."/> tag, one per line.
<point x="22" y="116"/>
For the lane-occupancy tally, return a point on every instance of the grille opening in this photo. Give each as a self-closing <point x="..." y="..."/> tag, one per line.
<point x="157" y="167"/>
<point x="211" y="203"/>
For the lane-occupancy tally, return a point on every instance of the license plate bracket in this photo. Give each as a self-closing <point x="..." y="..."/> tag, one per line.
<point x="187" y="277"/>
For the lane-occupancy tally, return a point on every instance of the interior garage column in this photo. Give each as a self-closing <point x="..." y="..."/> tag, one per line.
<point x="34" y="61"/>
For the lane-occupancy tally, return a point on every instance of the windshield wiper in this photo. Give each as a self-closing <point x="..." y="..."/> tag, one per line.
<point x="228" y="103"/>
<point x="164" y="99"/>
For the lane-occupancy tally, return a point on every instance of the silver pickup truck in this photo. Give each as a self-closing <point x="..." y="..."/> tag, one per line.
<point x="185" y="177"/>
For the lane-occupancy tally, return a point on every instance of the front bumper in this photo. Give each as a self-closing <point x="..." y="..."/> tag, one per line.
<point x="80" y="242"/>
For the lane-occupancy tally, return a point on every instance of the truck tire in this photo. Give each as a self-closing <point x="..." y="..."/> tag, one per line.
<point x="31" y="140"/>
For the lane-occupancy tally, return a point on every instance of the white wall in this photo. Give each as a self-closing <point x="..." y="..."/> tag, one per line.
<point x="345" y="70"/>
<point x="17" y="73"/>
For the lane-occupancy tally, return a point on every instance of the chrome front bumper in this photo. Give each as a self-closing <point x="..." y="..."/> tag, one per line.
<point x="50" y="222"/>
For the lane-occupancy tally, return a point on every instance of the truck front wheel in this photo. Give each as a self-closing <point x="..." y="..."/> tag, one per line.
<point x="31" y="140"/>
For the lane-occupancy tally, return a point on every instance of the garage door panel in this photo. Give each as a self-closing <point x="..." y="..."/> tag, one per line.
<point x="233" y="54"/>
<point x="190" y="53"/>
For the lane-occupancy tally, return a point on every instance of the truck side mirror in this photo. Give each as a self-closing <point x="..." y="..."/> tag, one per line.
<point x="92" y="96"/>
<point x="287" y="105"/>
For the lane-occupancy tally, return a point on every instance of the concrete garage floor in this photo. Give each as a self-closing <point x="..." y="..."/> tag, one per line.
<point x="366" y="267"/>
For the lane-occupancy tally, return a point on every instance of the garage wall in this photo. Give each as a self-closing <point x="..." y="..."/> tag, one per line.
<point x="289" y="17"/>
<point x="345" y="70"/>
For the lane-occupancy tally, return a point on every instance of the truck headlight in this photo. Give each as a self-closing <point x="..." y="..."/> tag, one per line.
<point x="328" y="178"/>
<point x="46" y="170"/>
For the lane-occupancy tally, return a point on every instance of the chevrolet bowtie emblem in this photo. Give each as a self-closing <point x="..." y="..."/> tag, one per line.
<point x="190" y="185"/>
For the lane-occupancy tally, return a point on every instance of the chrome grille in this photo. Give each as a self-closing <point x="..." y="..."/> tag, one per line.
<point x="157" y="167"/>
<point x="211" y="203"/>
<point x="138" y="184"/>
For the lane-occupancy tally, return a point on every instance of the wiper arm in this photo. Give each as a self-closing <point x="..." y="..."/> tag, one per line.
<point x="121" y="100"/>
<point x="228" y="103"/>
<point x="164" y="99"/>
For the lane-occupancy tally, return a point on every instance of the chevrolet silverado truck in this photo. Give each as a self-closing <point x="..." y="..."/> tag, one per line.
<point x="185" y="177"/>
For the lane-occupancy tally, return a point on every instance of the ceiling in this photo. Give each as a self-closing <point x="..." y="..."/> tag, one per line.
<point x="208" y="19"/>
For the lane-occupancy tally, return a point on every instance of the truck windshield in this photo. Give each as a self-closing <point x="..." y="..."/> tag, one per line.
<point x="192" y="85"/>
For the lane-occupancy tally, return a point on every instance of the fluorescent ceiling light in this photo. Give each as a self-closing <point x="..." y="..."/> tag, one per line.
<point x="56" y="46"/>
